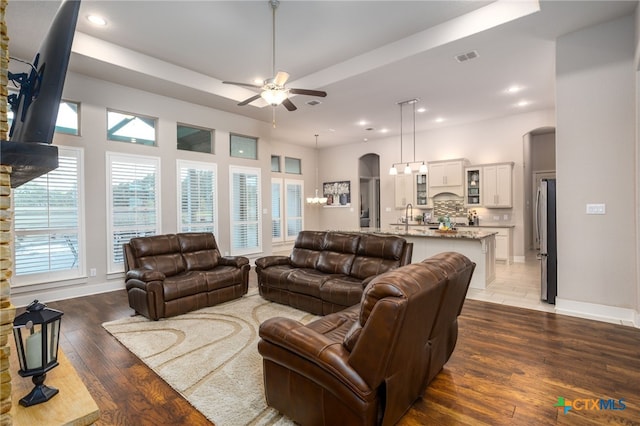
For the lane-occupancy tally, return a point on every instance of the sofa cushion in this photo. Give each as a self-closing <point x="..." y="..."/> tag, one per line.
<point x="199" y="250"/>
<point x="338" y="253"/>
<point x="275" y="276"/>
<point x="343" y="290"/>
<point x="377" y="254"/>
<point x="222" y="276"/>
<point x="159" y="252"/>
<point x="186" y="284"/>
<point x="307" y="249"/>
<point x="306" y="281"/>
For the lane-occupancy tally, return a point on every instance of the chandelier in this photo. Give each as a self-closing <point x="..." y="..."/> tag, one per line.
<point x="407" y="168"/>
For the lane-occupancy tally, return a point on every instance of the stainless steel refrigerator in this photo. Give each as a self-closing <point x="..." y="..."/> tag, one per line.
<point x="545" y="221"/>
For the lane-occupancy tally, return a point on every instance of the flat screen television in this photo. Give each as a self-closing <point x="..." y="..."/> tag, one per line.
<point x="29" y="151"/>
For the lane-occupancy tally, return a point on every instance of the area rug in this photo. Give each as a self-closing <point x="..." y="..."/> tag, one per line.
<point x="210" y="356"/>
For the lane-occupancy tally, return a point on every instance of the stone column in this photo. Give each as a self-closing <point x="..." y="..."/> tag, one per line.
<point x="7" y="310"/>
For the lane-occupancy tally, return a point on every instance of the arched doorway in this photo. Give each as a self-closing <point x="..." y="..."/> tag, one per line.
<point x="369" y="172"/>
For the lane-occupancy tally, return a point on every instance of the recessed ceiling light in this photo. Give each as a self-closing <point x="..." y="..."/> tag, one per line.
<point x="439" y="120"/>
<point x="514" y="89"/>
<point x="421" y="109"/>
<point x="384" y="130"/>
<point x="97" y="20"/>
<point x="523" y="103"/>
<point x="362" y="123"/>
<point x="258" y="80"/>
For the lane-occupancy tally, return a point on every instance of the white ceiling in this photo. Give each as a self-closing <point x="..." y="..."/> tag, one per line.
<point x="367" y="55"/>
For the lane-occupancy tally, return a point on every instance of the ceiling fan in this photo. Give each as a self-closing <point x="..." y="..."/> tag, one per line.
<point x="273" y="90"/>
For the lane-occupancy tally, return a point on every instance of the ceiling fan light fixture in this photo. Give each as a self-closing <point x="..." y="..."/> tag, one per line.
<point x="274" y="97"/>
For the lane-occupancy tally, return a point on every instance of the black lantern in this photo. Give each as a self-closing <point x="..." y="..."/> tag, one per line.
<point x="37" y="334"/>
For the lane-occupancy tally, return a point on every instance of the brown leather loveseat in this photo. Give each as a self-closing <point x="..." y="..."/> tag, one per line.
<point x="168" y="275"/>
<point x="367" y="364"/>
<point x="327" y="271"/>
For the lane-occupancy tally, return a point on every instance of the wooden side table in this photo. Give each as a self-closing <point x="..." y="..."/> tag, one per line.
<point x="73" y="405"/>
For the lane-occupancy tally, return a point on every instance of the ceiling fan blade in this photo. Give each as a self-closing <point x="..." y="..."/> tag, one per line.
<point x="248" y="101"/>
<point x="281" y="78"/>
<point x="308" y="92"/>
<point x="289" y="105"/>
<point x="242" y="84"/>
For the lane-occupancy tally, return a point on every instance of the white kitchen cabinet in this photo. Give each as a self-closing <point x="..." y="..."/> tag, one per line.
<point x="404" y="193"/>
<point x="446" y="176"/>
<point x="473" y="187"/>
<point x="497" y="185"/>
<point x="504" y="243"/>
<point x="421" y="198"/>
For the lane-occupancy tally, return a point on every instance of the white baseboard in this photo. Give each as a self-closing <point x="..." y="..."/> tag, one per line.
<point x="594" y="311"/>
<point x="23" y="296"/>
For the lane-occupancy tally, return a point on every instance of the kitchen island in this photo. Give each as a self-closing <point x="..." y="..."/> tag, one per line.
<point x="479" y="246"/>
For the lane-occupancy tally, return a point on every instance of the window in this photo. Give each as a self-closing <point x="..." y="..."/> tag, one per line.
<point x="48" y="223"/>
<point x="287" y="208"/>
<point x="276" y="209"/>
<point x="195" y="139"/>
<point x="246" y="225"/>
<point x="134" y="199"/>
<point x="124" y="127"/>
<point x="68" y="120"/>
<point x="243" y="146"/>
<point x="197" y="197"/>
<point x="292" y="165"/>
<point x="295" y="208"/>
<point x="275" y="163"/>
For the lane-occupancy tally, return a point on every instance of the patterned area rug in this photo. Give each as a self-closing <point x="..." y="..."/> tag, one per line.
<point x="211" y="357"/>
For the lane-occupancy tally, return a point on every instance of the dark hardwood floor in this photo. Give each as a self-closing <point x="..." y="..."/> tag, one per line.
<point x="510" y="367"/>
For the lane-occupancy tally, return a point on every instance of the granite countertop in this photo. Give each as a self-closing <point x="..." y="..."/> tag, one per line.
<point x="431" y="233"/>
<point x="458" y="225"/>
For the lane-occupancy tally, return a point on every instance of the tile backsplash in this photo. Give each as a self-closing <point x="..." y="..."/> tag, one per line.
<point x="448" y="207"/>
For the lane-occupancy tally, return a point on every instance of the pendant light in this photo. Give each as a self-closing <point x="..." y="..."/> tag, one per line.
<point x="316" y="200"/>
<point x="407" y="168"/>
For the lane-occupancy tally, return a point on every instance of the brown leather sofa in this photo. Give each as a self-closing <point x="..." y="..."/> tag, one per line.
<point x="168" y="275"/>
<point x="367" y="364"/>
<point x="327" y="271"/>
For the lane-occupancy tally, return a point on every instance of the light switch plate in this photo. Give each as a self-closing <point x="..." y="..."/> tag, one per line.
<point x="596" y="209"/>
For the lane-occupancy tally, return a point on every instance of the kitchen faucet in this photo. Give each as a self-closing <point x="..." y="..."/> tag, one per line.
<point x="406" y="216"/>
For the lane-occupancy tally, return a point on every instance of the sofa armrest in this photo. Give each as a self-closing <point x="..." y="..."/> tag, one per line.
<point x="267" y="261"/>
<point x="145" y="275"/>
<point x="329" y="355"/>
<point x="237" y="261"/>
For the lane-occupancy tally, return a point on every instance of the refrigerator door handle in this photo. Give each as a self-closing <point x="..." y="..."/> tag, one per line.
<point x="536" y="217"/>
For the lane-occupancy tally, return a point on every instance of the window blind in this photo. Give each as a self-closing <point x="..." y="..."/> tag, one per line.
<point x="245" y="207"/>
<point x="276" y="209"/>
<point x="197" y="196"/>
<point x="47" y="215"/>
<point x="295" y="208"/>
<point x="134" y="200"/>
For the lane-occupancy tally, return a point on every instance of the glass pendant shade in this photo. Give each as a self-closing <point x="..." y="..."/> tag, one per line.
<point x="407" y="169"/>
<point x="393" y="171"/>
<point x="274" y="96"/>
<point x="423" y="168"/>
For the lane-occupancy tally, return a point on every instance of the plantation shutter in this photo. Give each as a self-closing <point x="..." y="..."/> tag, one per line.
<point x="295" y="208"/>
<point x="134" y="200"/>
<point x="276" y="209"/>
<point x="197" y="196"/>
<point x="245" y="207"/>
<point x="47" y="223"/>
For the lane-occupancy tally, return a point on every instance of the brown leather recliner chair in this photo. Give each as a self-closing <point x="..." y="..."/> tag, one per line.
<point x="367" y="364"/>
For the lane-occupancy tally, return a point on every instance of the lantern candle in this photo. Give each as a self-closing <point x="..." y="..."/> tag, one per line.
<point x="34" y="351"/>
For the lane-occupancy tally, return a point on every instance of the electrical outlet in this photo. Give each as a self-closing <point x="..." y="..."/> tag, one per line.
<point x="496" y="218"/>
<point x="596" y="209"/>
<point x="387" y="209"/>
<point x="505" y="217"/>
<point x="92" y="272"/>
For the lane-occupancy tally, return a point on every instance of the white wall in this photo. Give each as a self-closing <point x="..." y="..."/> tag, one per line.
<point x="596" y="163"/>
<point x="490" y="141"/>
<point x="95" y="97"/>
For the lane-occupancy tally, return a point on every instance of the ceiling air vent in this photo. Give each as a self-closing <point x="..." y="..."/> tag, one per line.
<point x="313" y="102"/>
<point x="467" y="56"/>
